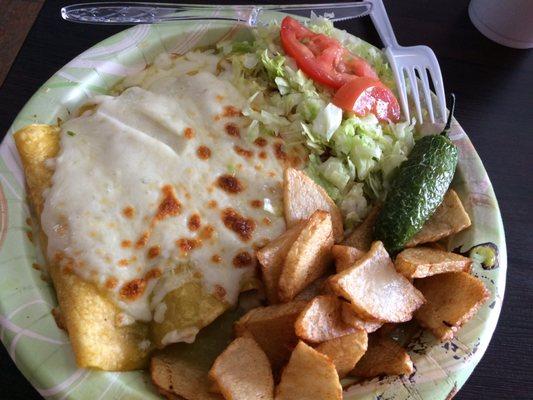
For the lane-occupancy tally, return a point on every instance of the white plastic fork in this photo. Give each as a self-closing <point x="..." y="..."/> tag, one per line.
<point x="410" y="60"/>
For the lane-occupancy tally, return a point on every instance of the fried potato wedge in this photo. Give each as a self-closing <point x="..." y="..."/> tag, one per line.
<point x="383" y="357"/>
<point x="345" y="351"/>
<point x="214" y="388"/>
<point x="321" y="320"/>
<point x="272" y="257"/>
<point x="449" y="218"/>
<point x="309" y="375"/>
<point x="180" y="371"/>
<point x="309" y="256"/>
<point x="272" y="328"/>
<point x="172" y="376"/>
<point x="242" y="372"/>
<point x="302" y="197"/>
<point x="421" y="262"/>
<point x="363" y="235"/>
<point x="345" y="256"/>
<point x="376" y="290"/>
<point x="350" y="317"/>
<point x="451" y="300"/>
<point x="316" y="288"/>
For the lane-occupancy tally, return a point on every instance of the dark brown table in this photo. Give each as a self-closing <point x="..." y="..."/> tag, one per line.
<point x="494" y="88"/>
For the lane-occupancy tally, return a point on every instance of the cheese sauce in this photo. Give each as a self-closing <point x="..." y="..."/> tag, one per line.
<point x="162" y="175"/>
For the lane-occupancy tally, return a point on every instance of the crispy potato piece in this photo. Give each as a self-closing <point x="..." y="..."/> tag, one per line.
<point x="180" y="371"/>
<point x="309" y="375"/>
<point x="173" y="376"/>
<point x="321" y="320"/>
<point x="449" y="218"/>
<point x="350" y="316"/>
<point x="271" y="259"/>
<point x="421" y="262"/>
<point x="387" y="329"/>
<point x="345" y="351"/>
<point x="452" y="299"/>
<point x="345" y="256"/>
<point x="242" y="372"/>
<point x="308" y="257"/>
<point x="214" y="388"/>
<point x="383" y="357"/>
<point x="376" y="290"/>
<point x="363" y="235"/>
<point x="272" y="328"/>
<point x="435" y="245"/>
<point x="302" y="197"/>
<point x="316" y="288"/>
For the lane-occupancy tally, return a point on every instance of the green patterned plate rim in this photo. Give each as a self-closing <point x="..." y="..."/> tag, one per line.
<point x="42" y="351"/>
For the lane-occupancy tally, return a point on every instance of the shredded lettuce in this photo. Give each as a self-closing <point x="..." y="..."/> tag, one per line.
<point x="353" y="158"/>
<point x="327" y="121"/>
<point x="354" y="206"/>
<point x="336" y="172"/>
<point x="313" y="171"/>
<point x="273" y="65"/>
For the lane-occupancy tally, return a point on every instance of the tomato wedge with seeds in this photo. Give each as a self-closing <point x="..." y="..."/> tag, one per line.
<point x="365" y="95"/>
<point x="321" y="57"/>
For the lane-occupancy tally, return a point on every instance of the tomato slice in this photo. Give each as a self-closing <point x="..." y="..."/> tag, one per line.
<point x="321" y="57"/>
<point x="365" y="95"/>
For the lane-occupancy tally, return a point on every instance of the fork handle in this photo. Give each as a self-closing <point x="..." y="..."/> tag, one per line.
<point x="382" y="23"/>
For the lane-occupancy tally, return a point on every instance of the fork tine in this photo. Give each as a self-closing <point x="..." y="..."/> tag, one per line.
<point x="402" y="90"/>
<point x="436" y="77"/>
<point x="427" y="93"/>
<point x="414" y="90"/>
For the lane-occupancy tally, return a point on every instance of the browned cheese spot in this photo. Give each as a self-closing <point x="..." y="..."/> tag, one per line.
<point x="261" y="142"/>
<point x="237" y="223"/>
<point x="188" y="133"/>
<point x="229" y="184"/>
<point x="220" y="292"/>
<point x="141" y="242"/>
<point x="128" y="211"/>
<point x="243" y="152"/>
<point x="207" y="232"/>
<point x="243" y="259"/>
<point x="133" y="289"/>
<point x="111" y="283"/>
<point x="123" y="262"/>
<point x="278" y="151"/>
<point x="232" y="130"/>
<point x="169" y="206"/>
<point x="230" y="111"/>
<point x="154" y="251"/>
<point x="194" y="222"/>
<point x="203" y="152"/>
<point x="152" y="274"/>
<point x="256" y="203"/>
<point x="186" y="245"/>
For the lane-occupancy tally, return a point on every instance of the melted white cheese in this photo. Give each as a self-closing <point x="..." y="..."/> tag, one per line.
<point x="109" y="177"/>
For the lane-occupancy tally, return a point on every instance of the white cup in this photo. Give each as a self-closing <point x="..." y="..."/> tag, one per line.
<point x="507" y="22"/>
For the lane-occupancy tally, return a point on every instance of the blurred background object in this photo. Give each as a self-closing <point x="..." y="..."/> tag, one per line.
<point x="509" y="22"/>
<point x="16" y="19"/>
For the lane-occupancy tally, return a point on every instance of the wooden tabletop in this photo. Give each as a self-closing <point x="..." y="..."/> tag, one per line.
<point x="494" y="89"/>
